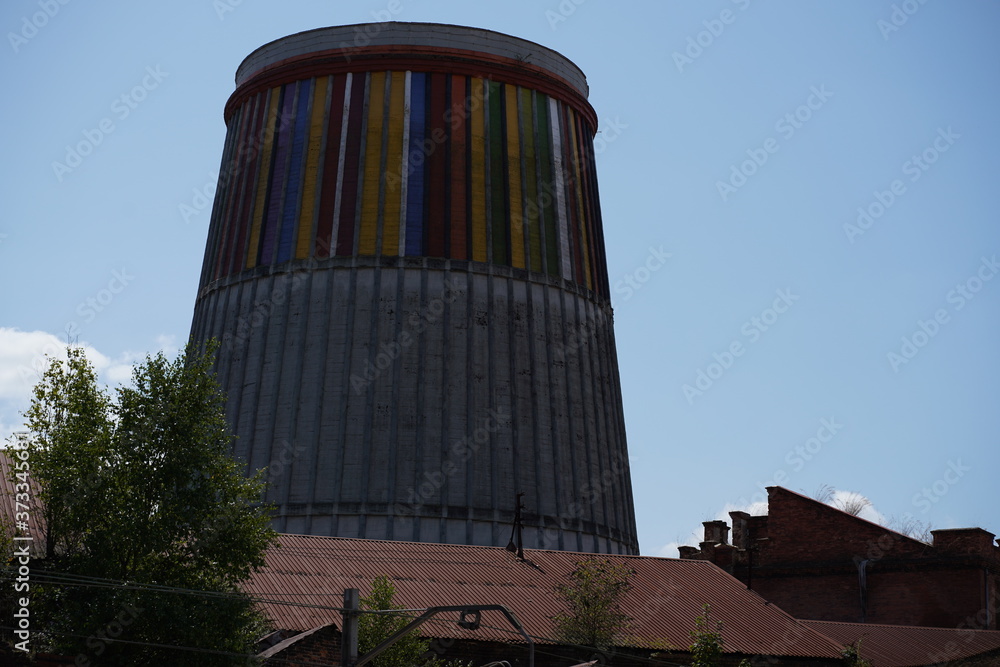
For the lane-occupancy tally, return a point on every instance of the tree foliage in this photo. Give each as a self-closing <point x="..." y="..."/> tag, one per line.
<point x="852" y="656"/>
<point x="142" y="490"/>
<point x="409" y="650"/>
<point x="707" y="643"/>
<point x="594" y="617"/>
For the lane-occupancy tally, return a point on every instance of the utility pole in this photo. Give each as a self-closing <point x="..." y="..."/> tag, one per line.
<point x="349" y="635"/>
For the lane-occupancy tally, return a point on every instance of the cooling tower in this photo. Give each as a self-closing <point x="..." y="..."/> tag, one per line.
<point x="406" y="270"/>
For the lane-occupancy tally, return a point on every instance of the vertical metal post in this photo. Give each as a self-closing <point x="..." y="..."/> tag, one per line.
<point x="349" y="634"/>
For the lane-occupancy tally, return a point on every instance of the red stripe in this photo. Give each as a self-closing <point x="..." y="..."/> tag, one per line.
<point x="250" y="165"/>
<point x="328" y="196"/>
<point x="349" y="185"/>
<point x="437" y="132"/>
<point x="233" y="182"/>
<point x="415" y="58"/>
<point x="459" y="170"/>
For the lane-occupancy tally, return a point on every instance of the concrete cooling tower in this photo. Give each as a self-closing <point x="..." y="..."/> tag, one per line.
<point x="406" y="270"/>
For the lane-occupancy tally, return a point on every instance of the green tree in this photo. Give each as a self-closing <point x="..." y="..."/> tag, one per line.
<point x="594" y="617"/>
<point x="142" y="491"/>
<point x="706" y="649"/>
<point x="70" y="426"/>
<point x="852" y="656"/>
<point x="409" y="650"/>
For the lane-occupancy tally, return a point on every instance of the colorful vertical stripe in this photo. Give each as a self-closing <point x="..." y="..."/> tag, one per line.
<point x="515" y="201"/>
<point x="409" y="163"/>
<point x="368" y="240"/>
<point x="477" y="170"/>
<point x="391" y="207"/>
<point x="311" y="185"/>
<point x="415" y="166"/>
<point x="290" y="210"/>
<point x="532" y="219"/>
<point x="458" y="127"/>
<point x="438" y="223"/>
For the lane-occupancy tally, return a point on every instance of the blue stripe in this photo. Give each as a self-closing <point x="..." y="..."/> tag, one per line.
<point x="416" y="164"/>
<point x="289" y="217"/>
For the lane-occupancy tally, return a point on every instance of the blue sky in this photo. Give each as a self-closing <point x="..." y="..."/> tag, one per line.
<point x="739" y="137"/>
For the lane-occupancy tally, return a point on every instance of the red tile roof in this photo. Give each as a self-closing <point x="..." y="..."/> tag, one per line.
<point x="9" y="507"/>
<point x="909" y="646"/>
<point x="666" y="596"/>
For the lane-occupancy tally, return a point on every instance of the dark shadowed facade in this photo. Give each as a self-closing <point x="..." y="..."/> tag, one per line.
<point x="817" y="562"/>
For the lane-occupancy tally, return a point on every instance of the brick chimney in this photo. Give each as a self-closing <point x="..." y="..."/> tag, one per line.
<point x="688" y="552"/>
<point x="964" y="541"/>
<point x="741" y="533"/>
<point x="716" y="532"/>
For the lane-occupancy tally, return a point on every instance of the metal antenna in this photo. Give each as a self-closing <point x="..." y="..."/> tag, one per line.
<point x="517" y="529"/>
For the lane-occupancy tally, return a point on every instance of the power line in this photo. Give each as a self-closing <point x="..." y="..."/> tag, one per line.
<point x="83" y="581"/>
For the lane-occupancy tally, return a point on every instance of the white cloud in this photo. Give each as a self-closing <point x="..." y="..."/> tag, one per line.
<point x="24" y="356"/>
<point x="668" y="550"/>
<point x="842" y="498"/>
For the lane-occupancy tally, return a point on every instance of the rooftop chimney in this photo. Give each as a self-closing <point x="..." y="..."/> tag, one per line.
<point x="687" y="552"/>
<point x="741" y="535"/>
<point x="716" y="532"/>
<point x="964" y="540"/>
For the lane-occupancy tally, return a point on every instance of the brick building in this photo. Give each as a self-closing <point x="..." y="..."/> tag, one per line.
<point x="817" y="562"/>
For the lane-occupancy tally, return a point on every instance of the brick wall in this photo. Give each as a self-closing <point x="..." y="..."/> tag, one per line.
<point x="942" y="598"/>
<point x="318" y="647"/>
<point x="806" y="557"/>
<point x="808" y="530"/>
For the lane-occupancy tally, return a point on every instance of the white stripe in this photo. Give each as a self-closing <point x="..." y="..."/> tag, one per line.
<point x="404" y="163"/>
<point x="557" y="165"/>
<point x="340" y="161"/>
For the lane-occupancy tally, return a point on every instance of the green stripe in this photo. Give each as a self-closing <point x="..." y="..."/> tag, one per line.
<point x="532" y="221"/>
<point x="543" y="145"/>
<point x="498" y="196"/>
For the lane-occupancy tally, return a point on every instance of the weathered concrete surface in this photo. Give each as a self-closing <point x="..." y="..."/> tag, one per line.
<point x="412" y="399"/>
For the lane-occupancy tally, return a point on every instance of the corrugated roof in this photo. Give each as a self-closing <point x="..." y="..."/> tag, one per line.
<point x="909" y="646"/>
<point x="9" y="502"/>
<point x="666" y="596"/>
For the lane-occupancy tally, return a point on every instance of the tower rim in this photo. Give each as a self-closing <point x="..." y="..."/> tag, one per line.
<point x="409" y="34"/>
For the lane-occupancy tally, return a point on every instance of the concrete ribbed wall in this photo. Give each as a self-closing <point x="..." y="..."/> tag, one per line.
<point x="404" y="365"/>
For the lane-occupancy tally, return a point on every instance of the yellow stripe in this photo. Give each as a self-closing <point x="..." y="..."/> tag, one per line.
<point x="514" y="179"/>
<point x="393" y="160"/>
<point x="534" y="249"/>
<point x="309" y="177"/>
<point x="373" y="168"/>
<point x="270" y="128"/>
<point x="581" y="212"/>
<point x="478" y="170"/>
